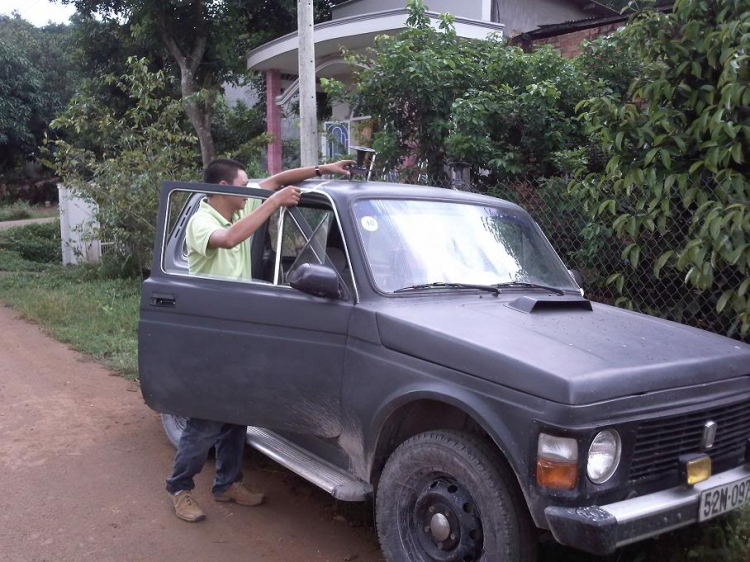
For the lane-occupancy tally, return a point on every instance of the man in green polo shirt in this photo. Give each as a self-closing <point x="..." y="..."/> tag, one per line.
<point x="218" y="242"/>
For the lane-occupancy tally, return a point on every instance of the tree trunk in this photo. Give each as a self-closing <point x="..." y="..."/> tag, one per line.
<point x="200" y="112"/>
<point x="200" y="115"/>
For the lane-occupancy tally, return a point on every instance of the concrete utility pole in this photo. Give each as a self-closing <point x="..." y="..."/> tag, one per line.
<point x="308" y="111"/>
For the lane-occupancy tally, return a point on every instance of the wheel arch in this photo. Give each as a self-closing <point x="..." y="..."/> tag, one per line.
<point x="423" y="410"/>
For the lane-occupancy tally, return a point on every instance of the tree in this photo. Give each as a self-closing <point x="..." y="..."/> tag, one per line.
<point x="102" y="47"/>
<point x="20" y="103"/>
<point x="36" y="83"/>
<point x="137" y="151"/>
<point x="437" y="97"/>
<point x="204" y="39"/>
<point x="207" y="39"/>
<point x="677" y="150"/>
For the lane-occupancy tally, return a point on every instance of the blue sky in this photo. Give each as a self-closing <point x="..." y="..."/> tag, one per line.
<point x="38" y="12"/>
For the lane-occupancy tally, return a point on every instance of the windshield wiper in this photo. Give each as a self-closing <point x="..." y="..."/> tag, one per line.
<point x="523" y="284"/>
<point x="444" y="285"/>
<point x="489" y="288"/>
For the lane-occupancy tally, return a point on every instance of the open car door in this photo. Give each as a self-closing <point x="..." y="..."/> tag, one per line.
<point x="252" y="351"/>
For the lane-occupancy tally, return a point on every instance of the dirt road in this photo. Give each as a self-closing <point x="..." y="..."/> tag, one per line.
<point x="82" y="468"/>
<point x="4" y="225"/>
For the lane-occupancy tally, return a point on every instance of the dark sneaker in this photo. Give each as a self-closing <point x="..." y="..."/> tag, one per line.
<point x="240" y="494"/>
<point x="186" y="508"/>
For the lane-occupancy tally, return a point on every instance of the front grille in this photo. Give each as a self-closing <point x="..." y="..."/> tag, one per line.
<point x="659" y="443"/>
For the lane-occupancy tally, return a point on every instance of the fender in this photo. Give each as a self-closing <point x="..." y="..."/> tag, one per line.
<point x="479" y="408"/>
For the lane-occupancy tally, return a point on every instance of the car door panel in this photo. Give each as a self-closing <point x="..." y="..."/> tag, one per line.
<point x="240" y="352"/>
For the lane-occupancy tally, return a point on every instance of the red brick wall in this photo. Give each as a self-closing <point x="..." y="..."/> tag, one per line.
<point x="570" y="44"/>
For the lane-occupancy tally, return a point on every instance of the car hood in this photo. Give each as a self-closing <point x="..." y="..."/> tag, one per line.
<point x="570" y="356"/>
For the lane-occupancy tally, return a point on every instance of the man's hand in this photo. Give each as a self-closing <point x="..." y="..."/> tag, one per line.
<point x="340" y="167"/>
<point x="242" y="230"/>
<point x="287" y="197"/>
<point x="301" y="174"/>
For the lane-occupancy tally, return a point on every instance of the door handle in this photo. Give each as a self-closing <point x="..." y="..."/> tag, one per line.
<point x="163" y="299"/>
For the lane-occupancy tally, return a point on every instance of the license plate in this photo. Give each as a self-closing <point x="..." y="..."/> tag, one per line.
<point x="724" y="498"/>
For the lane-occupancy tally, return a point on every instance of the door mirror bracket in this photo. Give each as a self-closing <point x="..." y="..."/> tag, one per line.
<point x="317" y="280"/>
<point x="577" y="277"/>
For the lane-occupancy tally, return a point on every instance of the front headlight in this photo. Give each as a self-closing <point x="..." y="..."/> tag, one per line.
<point x="604" y="456"/>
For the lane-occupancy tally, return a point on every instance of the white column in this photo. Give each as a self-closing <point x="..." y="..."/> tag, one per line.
<point x="486" y="10"/>
<point x="308" y="112"/>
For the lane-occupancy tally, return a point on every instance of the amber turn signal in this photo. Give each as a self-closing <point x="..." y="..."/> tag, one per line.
<point x="556" y="475"/>
<point x="694" y="468"/>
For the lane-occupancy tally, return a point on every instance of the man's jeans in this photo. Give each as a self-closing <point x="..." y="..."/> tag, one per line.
<point x="196" y="441"/>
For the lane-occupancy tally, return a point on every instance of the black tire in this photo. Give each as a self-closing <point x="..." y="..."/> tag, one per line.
<point x="447" y="496"/>
<point x="173" y="427"/>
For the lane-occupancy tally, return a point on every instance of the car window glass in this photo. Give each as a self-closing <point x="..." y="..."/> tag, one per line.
<point x="413" y="242"/>
<point x="180" y="205"/>
<point x="315" y="249"/>
<point x="312" y="235"/>
<point x="191" y="220"/>
<point x="304" y="239"/>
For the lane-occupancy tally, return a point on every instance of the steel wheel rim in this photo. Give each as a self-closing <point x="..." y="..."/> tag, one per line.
<point x="439" y="520"/>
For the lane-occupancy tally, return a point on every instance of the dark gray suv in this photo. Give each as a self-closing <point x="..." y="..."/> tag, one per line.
<point x="428" y="348"/>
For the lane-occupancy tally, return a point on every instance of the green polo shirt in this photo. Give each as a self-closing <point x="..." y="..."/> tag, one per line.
<point x="232" y="263"/>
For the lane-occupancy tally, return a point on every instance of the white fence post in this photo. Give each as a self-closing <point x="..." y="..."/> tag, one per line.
<point x="77" y="228"/>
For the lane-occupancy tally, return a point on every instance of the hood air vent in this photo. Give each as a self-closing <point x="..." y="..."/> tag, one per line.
<point x="549" y="304"/>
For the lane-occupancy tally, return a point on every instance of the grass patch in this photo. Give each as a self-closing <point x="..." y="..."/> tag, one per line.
<point x="13" y="261"/>
<point x="96" y="316"/>
<point x="16" y="211"/>
<point x="21" y="210"/>
<point x="42" y="212"/>
<point x="39" y="243"/>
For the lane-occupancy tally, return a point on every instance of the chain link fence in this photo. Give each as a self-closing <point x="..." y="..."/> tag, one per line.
<point x="591" y="246"/>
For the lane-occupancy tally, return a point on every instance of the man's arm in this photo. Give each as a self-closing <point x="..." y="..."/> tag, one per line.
<point x="301" y="174"/>
<point x="243" y="229"/>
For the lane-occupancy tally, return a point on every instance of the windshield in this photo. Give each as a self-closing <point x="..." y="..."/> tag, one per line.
<point x="412" y="242"/>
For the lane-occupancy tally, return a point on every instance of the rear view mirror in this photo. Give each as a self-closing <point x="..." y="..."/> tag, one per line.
<point x="317" y="280"/>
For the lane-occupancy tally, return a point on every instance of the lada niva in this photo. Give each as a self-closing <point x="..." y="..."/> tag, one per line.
<point x="428" y="349"/>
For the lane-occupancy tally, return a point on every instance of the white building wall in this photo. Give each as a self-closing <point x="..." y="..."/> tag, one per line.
<point x="246" y="94"/>
<point x="520" y="16"/>
<point x="472" y="9"/>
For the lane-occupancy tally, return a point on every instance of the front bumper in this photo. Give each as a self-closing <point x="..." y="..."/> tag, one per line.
<point x="602" y="529"/>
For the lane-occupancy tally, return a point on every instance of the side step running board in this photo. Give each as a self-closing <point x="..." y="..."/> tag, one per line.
<point x="341" y="485"/>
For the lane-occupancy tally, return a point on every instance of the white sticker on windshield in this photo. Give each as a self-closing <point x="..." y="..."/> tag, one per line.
<point x="369" y="223"/>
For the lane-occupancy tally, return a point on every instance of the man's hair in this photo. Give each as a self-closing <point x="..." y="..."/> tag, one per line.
<point x="222" y="169"/>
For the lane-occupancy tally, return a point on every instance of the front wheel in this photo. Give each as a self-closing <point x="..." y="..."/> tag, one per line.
<point x="174" y="426"/>
<point x="446" y="496"/>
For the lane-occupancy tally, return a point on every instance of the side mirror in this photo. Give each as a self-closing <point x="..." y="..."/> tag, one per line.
<point x="317" y="280"/>
<point x="577" y="277"/>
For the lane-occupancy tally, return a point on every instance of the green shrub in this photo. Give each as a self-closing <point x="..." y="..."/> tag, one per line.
<point x="239" y="132"/>
<point x="726" y="540"/>
<point x="12" y="261"/>
<point x="16" y="211"/>
<point x="39" y="243"/>
<point x="436" y="98"/>
<point x="19" y="189"/>
<point x="676" y="185"/>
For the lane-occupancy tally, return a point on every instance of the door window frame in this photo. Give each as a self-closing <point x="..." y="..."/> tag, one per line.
<point x="205" y="190"/>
